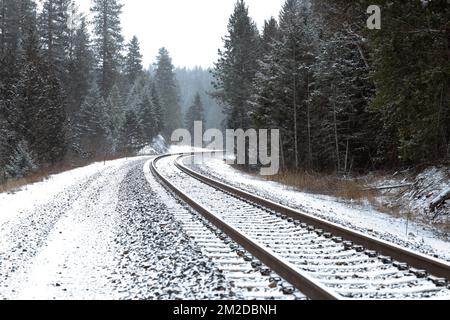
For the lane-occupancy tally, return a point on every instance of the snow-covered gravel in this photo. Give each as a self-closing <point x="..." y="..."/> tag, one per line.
<point x="359" y="217"/>
<point x="158" y="256"/>
<point x="97" y="233"/>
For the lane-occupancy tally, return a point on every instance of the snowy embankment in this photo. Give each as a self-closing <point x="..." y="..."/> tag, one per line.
<point x="421" y="191"/>
<point x="360" y="217"/>
<point x="158" y="146"/>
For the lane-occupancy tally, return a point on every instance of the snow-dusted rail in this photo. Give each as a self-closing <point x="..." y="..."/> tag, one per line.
<point x="321" y="259"/>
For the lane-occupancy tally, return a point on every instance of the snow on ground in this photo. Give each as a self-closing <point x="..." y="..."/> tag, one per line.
<point x="416" y="198"/>
<point x="158" y="146"/>
<point x="361" y="217"/>
<point x="17" y="203"/>
<point x="98" y="232"/>
<point x="184" y="149"/>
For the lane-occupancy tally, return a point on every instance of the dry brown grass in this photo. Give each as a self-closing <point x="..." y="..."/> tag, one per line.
<point x="44" y="173"/>
<point x="332" y="185"/>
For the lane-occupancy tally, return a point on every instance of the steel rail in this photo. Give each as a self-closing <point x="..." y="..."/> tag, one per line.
<point x="433" y="266"/>
<point x="299" y="279"/>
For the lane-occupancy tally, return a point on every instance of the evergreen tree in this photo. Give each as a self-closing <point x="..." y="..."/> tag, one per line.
<point x="92" y="130"/>
<point x="236" y="68"/>
<point x="6" y="136"/>
<point x="411" y="69"/>
<point x="17" y="22"/>
<point x="108" y="43"/>
<point x="133" y="62"/>
<point x="55" y="34"/>
<point x="22" y="162"/>
<point x="41" y="107"/>
<point x="285" y="79"/>
<point x="344" y="128"/>
<point x="147" y="119"/>
<point x="131" y="137"/>
<point x="195" y="113"/>
<point x="137" y="91"/>
<point x="168" y="92"/>
<point x="116" y="110"/>
<point x="157" y="109"/>
<point x="80" y="69"/>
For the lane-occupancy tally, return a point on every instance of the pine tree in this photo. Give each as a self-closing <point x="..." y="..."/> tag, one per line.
<point x="6" y="138"/>
<point x="40" y="102"/>
<point x="411" y="69"/>
<point x="108" y="43"/>
<point x="17" y="22"/>
<point x="131" y="137"/>
<point x="116" y="111"/>
<point x="22" y="162"/>
<point x="133" y="61"/>
<point x="80" y="69"/>
<point x="136" y="92"/>
<point x="236" y="68"/>
<point x="157" y="109"/>
<point x="92" y="131"/>
<point x="195" y="113"/>
<point x="341" y="91"/>
<point x="55" y="34"/>
<point x="285" y="79"/>
<point x="147" y="119"/>
<point x="168" y="92"/>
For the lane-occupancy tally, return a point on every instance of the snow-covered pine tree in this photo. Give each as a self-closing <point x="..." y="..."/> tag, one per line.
<point x="17" y="22"/>
<point x="265" y="100"/>
<point x="108" y="42"/>
<point x="92" y="131"/>
<point x="410" y="57"/>
<point x="236" y="68"/>
<point x="136" y="92"/>
<point x="157" y="109"/>
<point x="80" y="69"/>
<point x="130" y="137"/>
<point x="284" y="81"/>
<point x="6" y="147"/>
<point x="344" y="133"/>
<point x="40" y="104"/>
<point x="55" y="34"/>
<point x="22" y="161"/>
<point x="133" y="61"/>
<point x="115" y="111"/>
<point x="147" y="119"/>
<point x="168" y="92"/>
<point x="17" y="19"/>
<point x="195" y="113"/>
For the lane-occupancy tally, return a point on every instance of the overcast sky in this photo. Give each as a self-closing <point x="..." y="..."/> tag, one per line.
<point x="190" y="29"/>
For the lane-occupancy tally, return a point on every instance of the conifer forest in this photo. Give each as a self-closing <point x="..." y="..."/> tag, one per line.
<point x="345" y="98"/>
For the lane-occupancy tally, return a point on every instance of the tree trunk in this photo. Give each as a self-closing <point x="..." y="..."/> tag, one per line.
<point x="283" y="165"/>
<point x="295" y="116"/>
<point x="336" y="137"/>
<point x="309" y="123"/>
<point x="346" y="155"/>
<point x="440" y="199"/>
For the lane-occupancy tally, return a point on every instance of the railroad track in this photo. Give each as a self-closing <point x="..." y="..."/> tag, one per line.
<point x="248" y="278"/>
<point x="321" y="259"/>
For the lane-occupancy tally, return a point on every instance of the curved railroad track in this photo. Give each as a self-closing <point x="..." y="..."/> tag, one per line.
<point x="321" y="259"/>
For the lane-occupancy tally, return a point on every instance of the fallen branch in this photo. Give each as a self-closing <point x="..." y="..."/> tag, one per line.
<point x="389" y="187"/>
<point x="440" y="199"/>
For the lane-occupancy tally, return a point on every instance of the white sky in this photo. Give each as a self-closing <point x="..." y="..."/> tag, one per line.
<point x="191" y="30"/>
